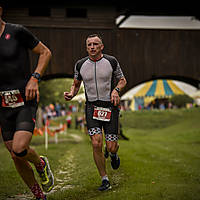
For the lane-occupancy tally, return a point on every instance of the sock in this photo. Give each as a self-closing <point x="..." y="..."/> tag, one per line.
<point x="40" y="165"/>
<point x="105" y="178"/>
<point x="113" y="155"/>
<point x="37" y="191"/>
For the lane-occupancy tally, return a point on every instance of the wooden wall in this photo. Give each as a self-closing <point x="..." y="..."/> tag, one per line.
<point x="150" y="54"/>
<point x="143" y="54"/>
<point x="68" y="45"/>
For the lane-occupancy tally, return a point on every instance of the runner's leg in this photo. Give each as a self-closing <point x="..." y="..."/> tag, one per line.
<point x="25" y="124"/>
<point x="97" y="144"/>
<point x="21" y="142"/>
<point x="17" y="126"/>
<point x="112" y="146"/>
<point x="111" y="136"/>
<point x="95" y="131"/>
<point x="25" y="171"/>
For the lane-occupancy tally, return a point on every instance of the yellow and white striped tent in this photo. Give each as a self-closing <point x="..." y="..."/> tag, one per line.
<point x="151" y="90"/>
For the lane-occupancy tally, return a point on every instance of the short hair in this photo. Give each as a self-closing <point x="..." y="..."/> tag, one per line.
<point x="95" y="35"/>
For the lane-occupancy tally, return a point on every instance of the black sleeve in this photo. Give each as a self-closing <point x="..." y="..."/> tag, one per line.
<point x="27" y="38"/>
<point x="77" y="74"/>
<point x="77" y="68"/>
<point x="117" y="71"/>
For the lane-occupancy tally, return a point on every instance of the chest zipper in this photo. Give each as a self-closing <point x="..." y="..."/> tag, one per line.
<point x="95" y="76"/>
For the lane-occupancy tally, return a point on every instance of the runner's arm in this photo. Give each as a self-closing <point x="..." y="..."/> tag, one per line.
<point x="44" y="57"/>
<point x="115" y="98"/>
<point x="121" y="84"/>
<point x="74" y="90"/>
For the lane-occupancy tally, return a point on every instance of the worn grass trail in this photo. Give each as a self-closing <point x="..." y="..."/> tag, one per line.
<point x="160" y="161"/>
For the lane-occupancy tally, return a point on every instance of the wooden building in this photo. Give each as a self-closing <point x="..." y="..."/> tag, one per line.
<point x="144" y="54"/>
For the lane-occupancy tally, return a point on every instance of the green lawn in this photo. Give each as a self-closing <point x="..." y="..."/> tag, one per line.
<point x="160" y="161"/>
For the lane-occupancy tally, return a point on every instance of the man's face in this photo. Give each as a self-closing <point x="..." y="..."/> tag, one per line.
<point x="94" y="46"/>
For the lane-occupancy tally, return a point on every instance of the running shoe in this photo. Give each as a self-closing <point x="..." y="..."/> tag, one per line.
<point x="46" y="176"/>
<point x="106" y="153"/>
<point x="105" y="185"/>
<point x="115" y="161"/>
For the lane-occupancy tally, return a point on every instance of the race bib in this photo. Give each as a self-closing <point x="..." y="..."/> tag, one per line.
<point x="11" y="99"/>
<point x="102" y="114"/>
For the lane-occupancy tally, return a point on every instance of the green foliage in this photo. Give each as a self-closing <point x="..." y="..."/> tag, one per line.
<point x="181" y="100"/>
<point x="52" y="91"/>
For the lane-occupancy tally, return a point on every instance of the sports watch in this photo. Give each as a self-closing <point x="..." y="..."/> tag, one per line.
<point x="37" y="76"/>
<point x="117" y="89"/>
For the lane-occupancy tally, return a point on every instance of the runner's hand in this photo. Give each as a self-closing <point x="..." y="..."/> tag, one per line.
<point x="68" y="96"/>
<point x="32" y="90"/>
<point x="115" y="99"/>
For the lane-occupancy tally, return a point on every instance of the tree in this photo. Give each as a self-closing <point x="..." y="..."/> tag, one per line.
<point x="181" y="100"/>
<point x="51" y="91"/>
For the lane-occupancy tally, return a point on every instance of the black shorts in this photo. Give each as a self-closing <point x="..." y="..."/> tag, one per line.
<point x="95" y="126"/>
<point x="15" y="119"/>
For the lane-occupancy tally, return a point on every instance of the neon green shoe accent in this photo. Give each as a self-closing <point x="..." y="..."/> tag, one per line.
<point x="47" y="178"/>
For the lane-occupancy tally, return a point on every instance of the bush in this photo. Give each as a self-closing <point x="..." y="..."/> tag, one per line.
<point x="181" y="100"/>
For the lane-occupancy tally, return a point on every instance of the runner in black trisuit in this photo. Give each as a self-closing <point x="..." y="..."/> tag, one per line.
<point x="103" y="80"/>
<point x="19" y="96"/>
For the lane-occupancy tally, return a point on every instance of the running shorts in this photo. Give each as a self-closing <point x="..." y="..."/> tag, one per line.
<point x="95" y="126"/>
<point x="16" y="119"/>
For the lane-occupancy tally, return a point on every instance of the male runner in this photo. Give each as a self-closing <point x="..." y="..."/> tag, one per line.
<point x="19" y="95"/>
<point x="103" y="80"/>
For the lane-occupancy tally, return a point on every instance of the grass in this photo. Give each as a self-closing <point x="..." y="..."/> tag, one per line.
<point x="160" y="161"/>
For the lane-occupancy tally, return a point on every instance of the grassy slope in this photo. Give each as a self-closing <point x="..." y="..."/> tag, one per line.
<point x="165" y="155"/>
<point x="160" y="161"/>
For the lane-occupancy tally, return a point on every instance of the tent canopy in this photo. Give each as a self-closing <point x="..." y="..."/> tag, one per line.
<point x="151" y="90"/>
<point x="160" y="88"/>
<point x="79" y="97"/>
<point x="129" y="95"/>
<point x="196" y="94"/>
